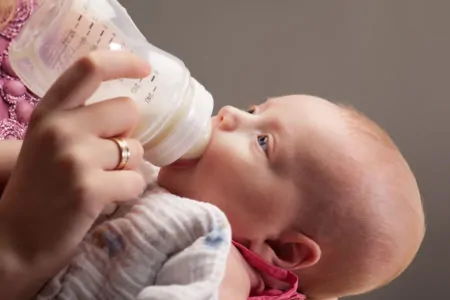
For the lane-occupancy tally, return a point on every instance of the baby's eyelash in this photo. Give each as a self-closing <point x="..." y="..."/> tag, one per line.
<point x="251" y="109"/>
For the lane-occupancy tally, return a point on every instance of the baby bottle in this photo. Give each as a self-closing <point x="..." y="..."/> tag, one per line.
<point x="175" y="109"/>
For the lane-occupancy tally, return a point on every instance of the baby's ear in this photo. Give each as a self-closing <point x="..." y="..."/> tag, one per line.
<point x="294" y="251"/>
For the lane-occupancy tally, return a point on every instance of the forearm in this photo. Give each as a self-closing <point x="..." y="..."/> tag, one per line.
<point x="17" y="280"/>
<point x="23" y="271"/>
<point x="9" y="151"/>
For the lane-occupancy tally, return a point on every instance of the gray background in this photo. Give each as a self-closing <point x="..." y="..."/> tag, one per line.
<point x="388" y="58"/>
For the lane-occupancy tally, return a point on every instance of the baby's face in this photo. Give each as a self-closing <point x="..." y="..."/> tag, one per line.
<point x="298" y="171"/>
<point x="256" y="163"/>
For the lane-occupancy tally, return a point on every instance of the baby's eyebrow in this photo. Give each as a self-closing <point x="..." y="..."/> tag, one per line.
<point x="250" y="107"/>
<point x="269" y="101"/>
<point x="261" y="106"/>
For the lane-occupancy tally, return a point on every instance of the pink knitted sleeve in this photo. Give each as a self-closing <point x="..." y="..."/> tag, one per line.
<point x="17" y="102"/>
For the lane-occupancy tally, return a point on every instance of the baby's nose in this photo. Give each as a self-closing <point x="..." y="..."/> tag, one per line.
<point x="229" y="118"/>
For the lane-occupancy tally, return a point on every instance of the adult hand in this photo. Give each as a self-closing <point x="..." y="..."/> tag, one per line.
<point x="65" y="174"/>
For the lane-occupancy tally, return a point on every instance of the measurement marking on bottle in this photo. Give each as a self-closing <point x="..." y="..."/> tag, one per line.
<point x="83" y="41"/>
<point x="148" y="98"/>
<point x="135" y="88"/>
<point x="70" y="35"/>
<point x="78" y="21"/>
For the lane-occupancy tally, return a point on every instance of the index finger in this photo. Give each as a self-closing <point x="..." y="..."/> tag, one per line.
<point x="79" y="82"/>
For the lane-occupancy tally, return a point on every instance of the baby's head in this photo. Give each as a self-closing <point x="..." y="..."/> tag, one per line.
<point x="312" y="187"/>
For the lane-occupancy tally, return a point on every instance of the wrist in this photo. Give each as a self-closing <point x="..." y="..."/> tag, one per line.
<point x="20" y="278"/>
<point x="13" y="279"/>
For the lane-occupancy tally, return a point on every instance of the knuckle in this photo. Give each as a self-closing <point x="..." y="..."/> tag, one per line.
<point x="137" y="152"/>
<point x="84" y="191"/>
<point x="129" y="109"/>
<point x="89" y="65"/>
<point x="127" y="103"/>
<point x="124" y="109"/>
<point x="139" y="149"/>
<point x="71" y="161"/>
<point x="55" y="131"/>
<point x="135" y="187"/>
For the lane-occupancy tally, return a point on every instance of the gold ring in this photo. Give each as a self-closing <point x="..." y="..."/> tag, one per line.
<point x="124" y="152"/>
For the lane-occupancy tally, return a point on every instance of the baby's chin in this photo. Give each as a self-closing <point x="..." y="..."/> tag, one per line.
<point x="176" y="178"/>
<point x="183" y="164"/>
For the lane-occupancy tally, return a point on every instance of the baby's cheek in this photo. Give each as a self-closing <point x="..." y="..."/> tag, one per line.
<point x="245" y="225"/>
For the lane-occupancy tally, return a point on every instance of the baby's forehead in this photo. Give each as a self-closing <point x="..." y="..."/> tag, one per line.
<point x="331" y="125"/>
<point x="325" y="151"/>
<point x="305" y="111"/>
<point x="298" y="101"/>
<point x="309" y="131"/>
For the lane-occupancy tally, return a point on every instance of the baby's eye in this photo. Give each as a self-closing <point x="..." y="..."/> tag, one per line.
<point x="263" y="141"/>
<point x="251" y="109"/>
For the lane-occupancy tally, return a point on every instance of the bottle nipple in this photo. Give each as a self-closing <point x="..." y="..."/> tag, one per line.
<point x="197" y="150"/>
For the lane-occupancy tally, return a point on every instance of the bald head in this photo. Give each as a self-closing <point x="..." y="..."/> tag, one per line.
<point x="363" y="208"/>
<point x="391" y="188"/>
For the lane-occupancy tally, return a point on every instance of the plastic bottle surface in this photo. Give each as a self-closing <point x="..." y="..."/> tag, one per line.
<point x="175" y="109"/>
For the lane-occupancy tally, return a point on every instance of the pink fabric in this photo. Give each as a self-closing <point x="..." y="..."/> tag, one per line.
<point x="284" y="276"/>
<point x="17" y="102"/>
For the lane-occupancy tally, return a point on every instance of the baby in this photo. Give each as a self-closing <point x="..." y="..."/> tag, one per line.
<point x="311" y="187"/>
<point x="312" y="190"/>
